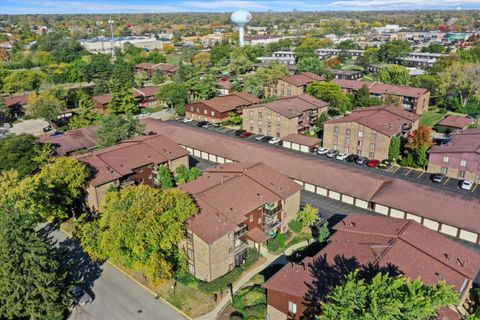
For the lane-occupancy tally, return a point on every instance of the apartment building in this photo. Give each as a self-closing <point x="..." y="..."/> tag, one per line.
<point x="412" y="99"/>
<point x="219" y="236"/>
<point x="361" y="242"/>
<point x="216" y="110"/>
<point x="367" y="132"/>
<point x="151" y="68"/>
<point x="346" y="74"/>
<point x="130" y="162"/>
<point x="459" y="158"/>
<point x="293" y="85"/>
<point x="145" y="97"/>
<point x="284" y="116"/>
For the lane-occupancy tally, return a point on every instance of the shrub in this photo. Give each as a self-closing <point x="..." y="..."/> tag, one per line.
<point x="258" y="311"/>
<point x="276" y="243"/>
<point x="295" y="225"/>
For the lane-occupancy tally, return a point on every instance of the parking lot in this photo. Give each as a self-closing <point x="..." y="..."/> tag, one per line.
<point x="412" y="175"/>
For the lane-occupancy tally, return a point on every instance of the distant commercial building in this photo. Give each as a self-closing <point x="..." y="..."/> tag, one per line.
<point x="107" y="45"/>
<point x="292" y="85"/>
<point x="459" y="158"/>
<point x="285" y="116"/>
<point x="368" y="131"/>
<point x="389" y="28"/>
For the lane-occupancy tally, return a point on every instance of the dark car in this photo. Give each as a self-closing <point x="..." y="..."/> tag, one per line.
<point x="47" y="128"/>
<point x="373" y="163"/>
<point x="201" y="123"/>
<point x="437" y="177"/>
<point x="361" y="160"/>
<point x="267" y="138"/>
<point x="56" y="133"/>
<point x="245" y="135"/>
<point x="385" y="164"/>
<point x="239" y="132"/>
<point x="352" y="158"/>
<point x="80" y="297"/>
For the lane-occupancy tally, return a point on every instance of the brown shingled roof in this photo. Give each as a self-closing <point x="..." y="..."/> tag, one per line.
<point x="302" y="139"/>
<point x="467" y="140"/>
<point x="381" y="88"/>
<point x="302" y="79"/>
<point x="229" y="102"/>
<point x="456" y="122"/>
<point x="294" y="106"/>
<point x="16" y="100"/>
<point x="72" y="140"/>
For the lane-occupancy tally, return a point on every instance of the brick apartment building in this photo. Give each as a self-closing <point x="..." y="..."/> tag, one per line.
<point x="367" y="132"/>
<point x="412" y="99"/>
<point x="216" y="110"/>
<point x="284" y="116"/>
<point x="293" y="85"/>
<point x="130" y="162"/>
<point x="150" y="68"/>
<point x="459" y="158"/>
<point x="397" y="246"/>
<point x="218" y="237"/>
<point x="145" y="97"/>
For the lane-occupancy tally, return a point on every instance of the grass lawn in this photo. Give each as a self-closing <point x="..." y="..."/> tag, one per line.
<point x="251" y="300"/>
<point x="431" y="118"/>
<point x="174" y="59"/>
<point x="291" y="239"/>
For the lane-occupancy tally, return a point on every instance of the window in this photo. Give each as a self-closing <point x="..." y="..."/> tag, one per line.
<point x="191" y="109"/>
<point x="372" y="155"/>
<point x="250" y="114"/>
<point x="260" y="115"/>
<point x="335" y="129"/>
<point x="191" y="268"/>
<point x="360" y="134"/>
<point x="445" y="159"/>
<point x="359" y="143"/>
<point x="251" y="122"/>
<point x="347" y="132"/>
<point x="198" y="110"/>
<point x="251" y="218"/>
<point x="461" y="174"/>
<point x="189" y="236"/>
<point x="260" y="220"/>
<point x="346" y="150"/>
<point x="463" y="163"/>
<point x="374" y="136"/>
<point x="372" y="146"/>
<point x="205" y="112"/>
<point x="278" y="134"/>
<point x="292" y="307"/>
<point x="251" y="128"/>
<point x="444" y="170"/>
<point x="259" y="123"/>
<point x="213" y="113"/>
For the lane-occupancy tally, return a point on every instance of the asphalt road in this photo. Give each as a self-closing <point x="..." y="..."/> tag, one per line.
<point x="415" y="176"/>
<point x="115" y="296"/>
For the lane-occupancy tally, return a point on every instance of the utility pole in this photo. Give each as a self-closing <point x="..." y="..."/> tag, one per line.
<point x="111" y="22"/>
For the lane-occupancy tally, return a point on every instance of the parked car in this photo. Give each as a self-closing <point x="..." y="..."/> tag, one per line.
<point x="275" y="141"/>
<point x="47" y="128"/>
<point x="373" y="163"/>
<point x="332" y="153"/>
<point x="7" y="125"/>
<point x="245" y="135"/>
<point x="217" y="125"/>
<point x="467" y="185"/>
<point x="322" y="150"/>
<point x="313" y="149"/>
<point x="206" y="125"/>
<point x="267" y="139"/>
<point x="352" y="158"/>
<point x="187" y="120"/>
<point x="341" y="156"/>
<point x="437" y="177"/>
<point x="239" y="132"/>
<point x="200" y="124"/>
<point x="385" y="164"/>
<point x="55" y="133"/>
<point x="80" y="297"/>
<point x="361" y="160"/>
<point x="259" y="138"/>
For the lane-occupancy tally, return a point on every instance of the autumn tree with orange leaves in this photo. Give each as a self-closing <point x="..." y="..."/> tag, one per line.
<point x="419" y="141"/>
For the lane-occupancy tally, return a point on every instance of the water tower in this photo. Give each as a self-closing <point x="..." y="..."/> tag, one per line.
<point x="241" y="18"/>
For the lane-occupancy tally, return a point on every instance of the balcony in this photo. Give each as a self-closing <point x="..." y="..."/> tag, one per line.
<point x="126" y="183"/>
<point x="240" y="245"/>
<point x="240" y="232"/>
<point x="313" y="113"/>
<point x="271" y="225"/>
<point x="270" y="210"/>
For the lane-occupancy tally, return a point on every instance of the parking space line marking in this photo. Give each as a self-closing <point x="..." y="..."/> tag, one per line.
<point x="421" y="174"/>
<point x="406" y="174"/>
<point x="446" y="181"/>
<point x="474" y="187"/>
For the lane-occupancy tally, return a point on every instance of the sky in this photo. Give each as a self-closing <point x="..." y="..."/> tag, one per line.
<point x="142" y="6"/>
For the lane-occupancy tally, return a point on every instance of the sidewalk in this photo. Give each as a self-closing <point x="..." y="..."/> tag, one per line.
<point x="212" y="315"/>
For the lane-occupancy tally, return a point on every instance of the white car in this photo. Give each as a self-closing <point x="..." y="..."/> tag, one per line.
<point x="341" y="156"/>
<point x="466" y="184"/>
<point x="274" y="141"/>
<point x="259" y="138"/>
<point x="186" y="120"/>
<point x="322" y="150"/>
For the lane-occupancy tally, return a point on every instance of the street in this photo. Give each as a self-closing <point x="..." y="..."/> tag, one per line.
<point x="115" y="296"/>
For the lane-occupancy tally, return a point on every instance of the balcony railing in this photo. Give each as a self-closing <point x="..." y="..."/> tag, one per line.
<point x="272" y="224"/>
<point x="269" y="211"/>
<point x="126" y="183"/>
<point x="240" y="232"/>
<point x="240" y="245"/>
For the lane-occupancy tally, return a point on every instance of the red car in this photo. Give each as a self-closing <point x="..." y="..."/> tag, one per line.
<point x="373" y="163"/>
<point x="245" y="135"/>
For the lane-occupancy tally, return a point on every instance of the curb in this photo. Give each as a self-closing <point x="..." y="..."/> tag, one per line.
<point x="154" y="294"/>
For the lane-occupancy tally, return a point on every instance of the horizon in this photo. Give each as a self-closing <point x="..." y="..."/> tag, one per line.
<point x="22" y="7"/>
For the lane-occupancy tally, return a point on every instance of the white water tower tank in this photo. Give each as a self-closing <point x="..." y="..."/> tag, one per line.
<point x="241" y="18"/>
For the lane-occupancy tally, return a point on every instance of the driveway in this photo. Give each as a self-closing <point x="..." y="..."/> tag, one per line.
<point x="33" y="126"/>
<point x="165" y="114"/>
<point x="115" y="296"/>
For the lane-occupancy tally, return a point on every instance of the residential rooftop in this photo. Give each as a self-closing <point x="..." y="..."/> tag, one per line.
<point x="302" y="79"/>
<point x="467" y="140"/>
<point x="294" y="106"/>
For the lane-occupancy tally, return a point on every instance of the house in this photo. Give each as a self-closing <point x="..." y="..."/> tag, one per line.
<point x="346" y="74"/>
<point x="17" y="105"/>
<point x="130" y="162"/>
<point x="216" y="110"/>
<point x="219" y="236"/>
<point x="459" y="158"/>
<point x="300" y="142"/>
<point x="370" y="244"/>
<point x="226" y="86"/>
<point x="368" y="131"/>
<point x="446" y="212"/>
<point x="412" y="99"/>
<point x="422" y="63"/>
<point x="150" y="68"/>
<point x="293" y="85"/>
<point x="72" y="141"/>
<point x="101" y="102"/>
<point x="451" y="123"/>
<point x="145" y="96"/>
<point x="284" y="116"/>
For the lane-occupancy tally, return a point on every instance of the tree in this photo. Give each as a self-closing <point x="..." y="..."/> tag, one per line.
<point x="362" y="98"/>
<point x="115" y="128"/>
<point x="386" y="297"/>
<point x="394" y="149"/>
<point x="308" y="215"/>
<point x="370" y="56"/>
<point x="264" y="77"/>
<point x="173" y="95"/>
<point x="235" y="118"/>
<point x="307" y="46"/>
<point x="23" y="80"/>
<point x="141" y="228"/>
<point x="164" y="178"/>
<point x="239" y="63"/>
<point x="311" y="64"/>
<point x="201" y="60"/>
<point x="461" y="80"/>
<point x="184" y="175"/>
<point x="122" y="75"/>
<point x="45" y="105"/>
<point x="394" y="74"/>
<point x="205" y="88"/>
<point x="168" y="48"/>
<point x="422" y="158"/>
<point x="392" y="100"/>
<point x="419" y="138"/>
<point x="85" y="116"/>
<point x="18" y="152"/>
<point x="331" y="93"/>
<point x="321" y="121"/>
<point x="434" y="48"/>
<point x="323" y="233"/>
<point x="390" y="51"/>
<point x="34" y="282"/>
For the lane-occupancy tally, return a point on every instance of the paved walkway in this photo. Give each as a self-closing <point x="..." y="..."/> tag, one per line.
<point x="279" y="259"/>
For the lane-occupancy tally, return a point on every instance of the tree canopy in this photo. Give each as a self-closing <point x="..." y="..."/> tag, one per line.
<point x="394" y="74"/>
<point x="115" y="128"/>
<point x="308" y="215"/>
<point x="184" y="175"/>
<point x="19" y="152"/>
<point x="332" y="93"/>
<point x="392" y="50"/>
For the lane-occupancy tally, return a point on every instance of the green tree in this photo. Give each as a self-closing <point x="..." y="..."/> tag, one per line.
<point x="184" y="175"/>
<point x="206" y="88"/>
<point x="434" y="48"/>
<point x="311" y="64"/>
<point x="201" y="59"/>
<point x="462" y="80"/>
<point x="85" y="114"/>
<point x="45" y="105"/>
<point x="386" y="297"/>
<point x="122" y="75"/>
<point x="164" y="179"/>
<point x="264" y="77"/>
<point x="394" y="149"/>
<point x="370" y="56"/>
<point x="18" y="152"/>
<point x="34" y="281"/>
<point x="173" y="95"/>
<point x="321" y="121"/>
<point x="235" y="118"/>
<point x="394" y="74"/>
<point x="323" y="233"/>
<point x="332" y="93"/>
<point x="362" y="98"/>
<point x="115" y="128"/>
<point x="391" y="50"/>
<point x="422" y="157"/>
<point x="141" y="228"/>
<point x="308" y="215"/>
<point x="23" y="80"/>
